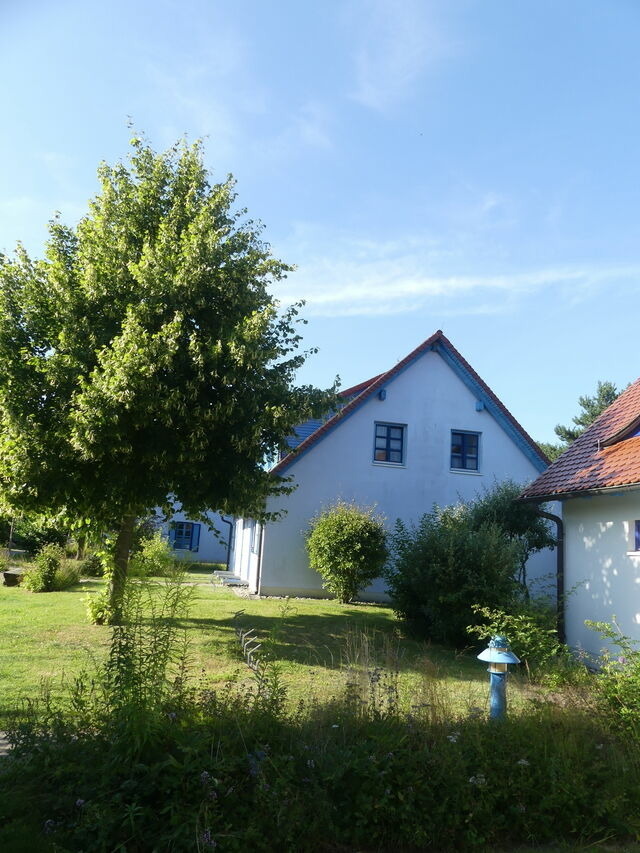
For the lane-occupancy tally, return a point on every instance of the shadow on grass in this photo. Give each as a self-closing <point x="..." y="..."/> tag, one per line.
<point x="332" y="640"/>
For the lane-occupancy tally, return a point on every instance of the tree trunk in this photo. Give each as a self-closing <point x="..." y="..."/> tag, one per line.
<point x="81" y="541"/>
<point x="120" y="566"/>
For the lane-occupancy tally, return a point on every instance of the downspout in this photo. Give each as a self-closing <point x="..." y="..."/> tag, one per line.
<point x="230" y="539"/>
<point x="259" y="569"/>
<point x="559" y="570"/>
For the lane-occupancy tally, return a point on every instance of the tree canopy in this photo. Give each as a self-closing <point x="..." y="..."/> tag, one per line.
<point x="592" y="408"/>
<point x="145" y="357"/>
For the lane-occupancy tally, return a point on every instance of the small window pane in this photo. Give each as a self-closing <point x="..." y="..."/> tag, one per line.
<point x="381" y="456"/>
<point x="637" y="535"/>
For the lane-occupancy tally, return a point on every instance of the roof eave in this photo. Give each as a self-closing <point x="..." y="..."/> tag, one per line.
<point x="579" y="493"/>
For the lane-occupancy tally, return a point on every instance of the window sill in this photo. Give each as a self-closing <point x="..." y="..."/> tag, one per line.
<point x="633" y="553"/>
<point x="388" y="464"/>
<point x="463" y="471"/>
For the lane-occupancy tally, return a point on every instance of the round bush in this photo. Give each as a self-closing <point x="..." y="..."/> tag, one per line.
<point x="92" y="566"/>
<point x="41" y="577"/>
<point x="347" y="546"/>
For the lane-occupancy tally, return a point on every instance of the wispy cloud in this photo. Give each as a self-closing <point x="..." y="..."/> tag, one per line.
<point x="392" y="280"/>
<point x="395" y="42"/>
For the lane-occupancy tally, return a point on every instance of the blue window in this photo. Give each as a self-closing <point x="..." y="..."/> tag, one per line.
<point x="184" y="535"/>
<point x="637" y="537"/>
<point x="389" y="443"/>
<point x="464" y="450"/>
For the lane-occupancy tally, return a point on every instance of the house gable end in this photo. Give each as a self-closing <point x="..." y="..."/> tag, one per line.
<point x="485" y="398"/>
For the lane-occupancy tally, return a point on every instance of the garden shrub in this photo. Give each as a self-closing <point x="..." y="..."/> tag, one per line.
<point x="530" y="627"/>
<point x="346" y="544"/>
<point x="154" y="558"/>
<point x="41" y="576"/>
<point x="444" y="565"/>
<point x="67" y="575"/>
<point x="618" y="679"/>
<point x="92" y="566"/>
<point x="520" y="522"/>
<point x="98" y="608"/>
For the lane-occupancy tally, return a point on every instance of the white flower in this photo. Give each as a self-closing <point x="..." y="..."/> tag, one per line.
<point x="453" y="737"/>
<point x="523" y="762"/>
<point x="478" y="780"/>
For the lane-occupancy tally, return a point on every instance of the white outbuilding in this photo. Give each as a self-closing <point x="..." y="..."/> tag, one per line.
<point x="598" y="481"/>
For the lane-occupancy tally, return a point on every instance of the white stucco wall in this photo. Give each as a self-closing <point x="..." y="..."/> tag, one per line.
<point x="431" y="400"/>
<point x="599" y="558"/>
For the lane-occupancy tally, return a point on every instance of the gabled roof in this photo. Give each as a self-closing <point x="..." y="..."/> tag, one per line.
<point x="605" y="456"/>
<point x="304" y="430"/>
<point x="439" y="343"/>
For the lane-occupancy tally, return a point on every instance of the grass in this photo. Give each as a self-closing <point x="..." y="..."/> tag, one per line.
<point x="318" y="646"/>
<point x="47" y="636"/>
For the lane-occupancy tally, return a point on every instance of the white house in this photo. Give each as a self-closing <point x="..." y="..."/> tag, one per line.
<point x="427" y="431"/>
<point x="598" y="481"/>
<point x="194" y="541"/>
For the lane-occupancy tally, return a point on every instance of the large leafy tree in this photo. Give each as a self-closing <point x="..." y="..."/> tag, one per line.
<point x="144" y="356"/>
<point x="591" y="408"/>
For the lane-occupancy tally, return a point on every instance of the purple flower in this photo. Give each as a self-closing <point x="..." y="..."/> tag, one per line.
<point x="80" y="803"/>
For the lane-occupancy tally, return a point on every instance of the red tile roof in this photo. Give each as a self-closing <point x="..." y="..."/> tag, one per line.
<point x="601" y="458"/>
<point x="372" y="386"/>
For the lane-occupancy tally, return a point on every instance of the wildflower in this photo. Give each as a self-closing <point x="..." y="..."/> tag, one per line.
<point x="172" y="715"/>
<point x="453" y="737"/>
<point x="335" y="726"/>
<point x="311" y="763"/>
<point x="622" y="659"/>
<point x="521" y="808"/>
<point x="80" y="803"/>
<point x="478" y="780"/>
<point x="49" y="825"/>
<point x="599" y="746"/>
<point x="208" y="840"/>
<point x="205" y="777"/>
<point x="389" y="755"/>
<point x="523" y="762"/>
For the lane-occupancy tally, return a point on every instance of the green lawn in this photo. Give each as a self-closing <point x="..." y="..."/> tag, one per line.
<point x="47" y="636"/>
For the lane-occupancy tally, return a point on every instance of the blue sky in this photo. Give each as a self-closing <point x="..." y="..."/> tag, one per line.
<point x="468" y="165"/>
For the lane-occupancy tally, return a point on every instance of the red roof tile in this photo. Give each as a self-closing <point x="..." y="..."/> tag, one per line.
<point x="372" y="386"/>
<point x="601" y="458"/>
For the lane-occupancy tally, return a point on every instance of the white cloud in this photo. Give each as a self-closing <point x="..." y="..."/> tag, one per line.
<point x="395" y="42"/>
<point x="364" y="279"/>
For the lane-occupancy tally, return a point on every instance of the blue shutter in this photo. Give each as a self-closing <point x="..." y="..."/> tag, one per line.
<point x="195" y="537"/>
<point x="172" y="535"/>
